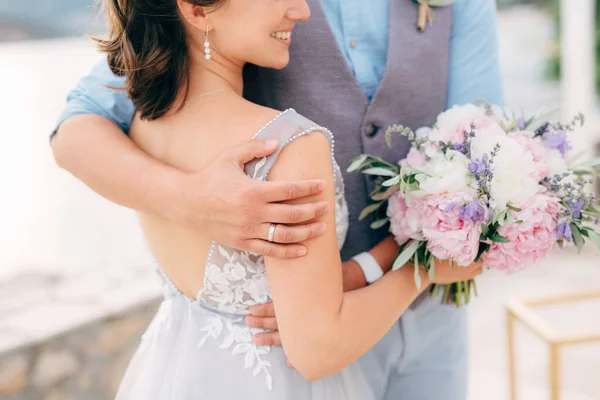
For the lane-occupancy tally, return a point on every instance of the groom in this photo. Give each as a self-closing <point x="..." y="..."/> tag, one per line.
<point x="356" y="67"/>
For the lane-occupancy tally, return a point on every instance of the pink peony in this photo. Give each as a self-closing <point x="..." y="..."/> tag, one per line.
<point x="414" y="158"/>
<point x="539" y="153"/>
<point x="529" y="241"/>
<point x="449" y="236"/>
<point x="404" y="220"/>
<point x="455" y="133"/>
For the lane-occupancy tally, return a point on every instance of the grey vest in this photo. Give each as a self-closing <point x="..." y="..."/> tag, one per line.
<point x="319" y="85"/>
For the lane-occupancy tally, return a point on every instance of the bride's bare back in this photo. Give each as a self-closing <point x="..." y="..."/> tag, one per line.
<point x="190" y="139"/>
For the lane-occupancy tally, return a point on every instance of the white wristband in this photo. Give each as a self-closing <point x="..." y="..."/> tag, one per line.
<point x="369" y="265"/>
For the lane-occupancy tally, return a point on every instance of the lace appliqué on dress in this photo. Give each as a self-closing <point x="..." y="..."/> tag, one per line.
<point x="235" y="280"/>
<point x="239" y="338"/>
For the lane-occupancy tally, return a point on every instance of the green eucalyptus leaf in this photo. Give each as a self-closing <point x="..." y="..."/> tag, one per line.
<point x="484" y="230"/>
<point x="573" y="159"/>
<point x="592" y="163"/>
<point x="577" y="238"/>
<point x="440" y="3"/>
<point x="357" y="163"/>
<point x="510" y="218"/>
<point x="368" y="210"/>
<point x="380" y="223"/>
<point x="392" y="182"/>
<point x="379" y="171"/>
<point x="431" y="270"/>
<point x="406" y="254"/>
<point x="498" y="238"/>
<point x="385" y="194"/>
<point x="417" y="274"/>
<point x="582" y="172"/>
<point x="595" y="238"/>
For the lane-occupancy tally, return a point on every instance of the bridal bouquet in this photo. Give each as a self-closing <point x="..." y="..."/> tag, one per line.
<point x="483" y="184"/>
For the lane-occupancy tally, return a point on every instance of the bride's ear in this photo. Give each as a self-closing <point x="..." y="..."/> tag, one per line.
<point x="193" y="16"/>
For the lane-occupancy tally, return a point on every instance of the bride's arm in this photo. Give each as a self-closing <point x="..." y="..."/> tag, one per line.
<point x="322" y="328"/>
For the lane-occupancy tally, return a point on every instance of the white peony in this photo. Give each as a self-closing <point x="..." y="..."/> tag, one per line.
<point x="422" y="133"/>
<point x="447" y="173"/>
<point x="512" y="169"/>
<point x="457" y="116"/>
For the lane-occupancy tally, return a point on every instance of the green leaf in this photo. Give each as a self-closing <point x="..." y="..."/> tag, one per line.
<point x="431" y="271"/>
<point x="573" y="159"/>
<point x="510" y="218"/>
<point x="484" y="230"/>
<point x="467" y="291"/>
<point x="498" y="238"/>
<point x="595" y="238"/>
<point x="379" y="172"/>
<point x="417" y="274"/>
<point x="392" y="182"/>
<point x="440" y="3"/>
<point x="577" y="238"/>
<point x="385" y="194"/>
<point x="380" y="223"/>
<point x="593" y="208"/>
<point x="368" y="210"/>
<point x="357" y="163"/>
<point x="458" y="293"/>
<point x="502" y="217"/>
<point x="406" y="254"/>
<point x="592" y="163"/>
<point x="581" y="172"/>
<point x="513" y="208"/>
<point x="483" y="247"/>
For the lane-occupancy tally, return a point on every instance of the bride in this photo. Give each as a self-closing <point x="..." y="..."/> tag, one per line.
<point x="183" y="61"/>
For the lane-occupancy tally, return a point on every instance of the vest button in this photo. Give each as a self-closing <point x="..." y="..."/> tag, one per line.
<point x="371" y="130"/>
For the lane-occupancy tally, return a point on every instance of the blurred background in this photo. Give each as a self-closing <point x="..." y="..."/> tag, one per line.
<point x="77" y="286"/>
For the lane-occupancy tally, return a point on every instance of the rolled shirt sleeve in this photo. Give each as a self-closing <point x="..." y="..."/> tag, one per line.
<point x="94" y="94"/>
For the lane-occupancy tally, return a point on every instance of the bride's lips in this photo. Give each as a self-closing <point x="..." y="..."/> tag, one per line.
<point x="284" y="37"/>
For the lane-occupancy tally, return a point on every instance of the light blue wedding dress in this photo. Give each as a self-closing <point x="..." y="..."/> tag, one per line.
<point x="200" y="348"/>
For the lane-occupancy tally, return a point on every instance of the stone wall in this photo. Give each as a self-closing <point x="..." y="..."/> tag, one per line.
<point x="87" y="363"/>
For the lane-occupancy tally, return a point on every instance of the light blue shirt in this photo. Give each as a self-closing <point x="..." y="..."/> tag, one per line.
<point x="361" y="31"/>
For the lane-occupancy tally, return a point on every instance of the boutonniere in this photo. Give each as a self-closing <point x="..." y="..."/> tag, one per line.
<point x="425" y="14"/>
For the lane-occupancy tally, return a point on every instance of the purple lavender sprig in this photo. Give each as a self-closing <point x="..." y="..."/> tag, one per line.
<point x="481" y="169"/>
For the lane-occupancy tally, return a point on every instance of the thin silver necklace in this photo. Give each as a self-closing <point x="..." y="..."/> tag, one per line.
<point x="207" y="94"/>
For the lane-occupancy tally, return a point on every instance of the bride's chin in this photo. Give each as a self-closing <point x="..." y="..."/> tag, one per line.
<point x="281" y="64"/>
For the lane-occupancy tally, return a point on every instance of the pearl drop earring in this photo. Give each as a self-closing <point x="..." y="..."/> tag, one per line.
<point x="206" y="45"/>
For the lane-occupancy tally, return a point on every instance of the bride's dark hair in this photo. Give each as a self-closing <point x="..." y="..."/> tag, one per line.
<point x="147" y="44"/>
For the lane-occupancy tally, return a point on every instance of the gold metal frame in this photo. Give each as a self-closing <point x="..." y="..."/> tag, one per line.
<point x="521" y="310"/>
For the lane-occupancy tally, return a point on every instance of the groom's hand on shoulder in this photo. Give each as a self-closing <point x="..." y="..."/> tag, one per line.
<point x="238" y="211"/>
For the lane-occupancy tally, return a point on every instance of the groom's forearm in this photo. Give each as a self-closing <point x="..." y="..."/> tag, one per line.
<point x="96" y="151"/>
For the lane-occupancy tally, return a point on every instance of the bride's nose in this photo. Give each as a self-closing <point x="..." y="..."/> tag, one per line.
<point x="299" y="11"/>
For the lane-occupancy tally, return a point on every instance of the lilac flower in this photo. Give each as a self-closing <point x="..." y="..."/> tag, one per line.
<point x="450" y="207"/>
<point x="557" y="140"/>
<point x="472" y="211"/>
<point x="576" y="207"/>
<point x="520" y="123"/>
<point x="477" y="166"/>
<point x="563" y="230"/>
<point x="457" y="146"/>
